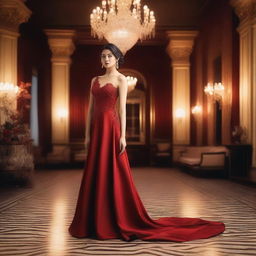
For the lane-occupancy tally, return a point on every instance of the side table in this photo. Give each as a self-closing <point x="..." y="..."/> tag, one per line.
<point x="240" y="159"/>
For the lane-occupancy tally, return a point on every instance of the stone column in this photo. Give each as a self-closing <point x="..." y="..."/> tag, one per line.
<point x="246" y="11"/>
<point x="179" y="49"/>
<point x="12" y="14"/>
<point x="62" y="46"/>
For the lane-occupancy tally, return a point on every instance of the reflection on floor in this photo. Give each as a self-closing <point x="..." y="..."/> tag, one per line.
<point x="34" y="221"/>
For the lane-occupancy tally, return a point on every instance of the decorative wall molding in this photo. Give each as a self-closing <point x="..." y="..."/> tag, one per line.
<point x="61" y="44"/>
<point x="13" y="13"/>
<point x="180" y="45"/>
<point x="244" y="8"/>
<point x="180" y="53"/>
<point x="61" y="53"/>
<point x="179" y="49"/>
<point x="246" y="11"/>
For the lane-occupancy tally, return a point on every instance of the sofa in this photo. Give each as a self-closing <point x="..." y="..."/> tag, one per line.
<point x="205" y="160"/>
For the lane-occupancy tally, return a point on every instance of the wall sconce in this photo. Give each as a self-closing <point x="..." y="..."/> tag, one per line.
<point x="215" y="91"/>
<point x="8" y="94"/>
<point x="180" y="113"/>
<point x="8" y="88"/>
<point x="131" y="81"/>
<point x="62" y="113"/>
<point x="196" y="110"/>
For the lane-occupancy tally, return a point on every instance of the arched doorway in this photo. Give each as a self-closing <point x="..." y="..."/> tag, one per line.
<point x="137" y="118"/>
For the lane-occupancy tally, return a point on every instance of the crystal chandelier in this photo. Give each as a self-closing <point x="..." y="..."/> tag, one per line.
<point x="122" y="23"/>
<point x="214" y="91"/>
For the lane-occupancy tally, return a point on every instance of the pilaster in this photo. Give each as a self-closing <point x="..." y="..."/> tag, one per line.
<point x="179" y="49"/>
<point x="246" y="11"/>
<point x="62" y="47"/>
<point x="12" y="14"/>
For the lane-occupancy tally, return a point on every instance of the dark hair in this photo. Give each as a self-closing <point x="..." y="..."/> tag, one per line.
<point x="116" y="52"/>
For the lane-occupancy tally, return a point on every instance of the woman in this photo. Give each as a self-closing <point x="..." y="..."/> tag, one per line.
<point x="108" y="204"/>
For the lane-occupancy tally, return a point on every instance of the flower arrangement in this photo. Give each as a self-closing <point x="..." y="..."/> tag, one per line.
<point x="239" y="135"/>
<point x="14" y="131"/>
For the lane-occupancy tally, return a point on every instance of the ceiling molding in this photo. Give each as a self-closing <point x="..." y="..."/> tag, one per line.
<point x="83" y="35"/>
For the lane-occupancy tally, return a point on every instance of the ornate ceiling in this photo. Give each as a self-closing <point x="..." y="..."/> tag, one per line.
<point x="170" y="13"/>
<point x="75" y="14"/>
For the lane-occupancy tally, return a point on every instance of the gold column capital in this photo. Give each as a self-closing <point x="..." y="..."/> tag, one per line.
<point x="13" y="13"/>
<point x="244" y="9"/>
<point x="61" y="43"/>
<point x="180" y="44"/>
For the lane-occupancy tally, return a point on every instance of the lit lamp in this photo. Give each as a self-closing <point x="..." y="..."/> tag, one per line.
<point x="8" y="88"/>
<point x="180" y="113"/>
<point x="62" y="113"/>
<point x="214" y="91"/>
<point x="131" y="81"/>
<point x="196" y="110"/>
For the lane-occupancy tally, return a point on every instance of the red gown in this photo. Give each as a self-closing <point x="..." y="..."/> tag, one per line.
<point x="108" y="204"/>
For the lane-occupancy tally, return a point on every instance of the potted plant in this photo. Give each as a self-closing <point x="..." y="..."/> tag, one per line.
<point x="239" y="135"/>
<point x="15" y="141"/>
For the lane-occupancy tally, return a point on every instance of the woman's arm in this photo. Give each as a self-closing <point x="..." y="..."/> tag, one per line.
<point x="89" y="113"/>
<point x="123" y="88"/>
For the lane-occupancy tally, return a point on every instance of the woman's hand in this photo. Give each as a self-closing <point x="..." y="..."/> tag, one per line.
<point x="122" y="145"/>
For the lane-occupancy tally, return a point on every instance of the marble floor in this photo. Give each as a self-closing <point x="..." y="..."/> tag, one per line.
<point x="34" y="221"/>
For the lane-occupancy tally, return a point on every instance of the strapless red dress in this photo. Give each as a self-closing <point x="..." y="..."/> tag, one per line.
<point x="108" y="204"/>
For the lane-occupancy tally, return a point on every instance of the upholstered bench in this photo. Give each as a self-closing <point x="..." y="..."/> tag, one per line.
<point x="205" y="159"/>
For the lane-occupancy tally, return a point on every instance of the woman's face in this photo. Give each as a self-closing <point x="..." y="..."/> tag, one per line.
<point x="108" y="59"/>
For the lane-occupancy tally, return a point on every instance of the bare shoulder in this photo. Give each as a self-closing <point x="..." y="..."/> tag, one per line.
<point x="122" y="80"/>
<point x="93" y="80"/>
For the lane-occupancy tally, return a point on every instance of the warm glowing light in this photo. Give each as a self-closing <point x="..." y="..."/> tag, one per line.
<point x="62" y="113"/>
<point x="180" y="113"/>
<point x="196" y="109"/>
<point x="218" y="87"/>
<point x="188" y="205"/>
<point x="8" y="88"/>
<point x="131" y="81"/>
<point x="215" y="90"/>
<point x="208" y="89"/>
<point x="122" y="22"/>
<point x="8" y="99"/>
<point x="211" y="250"/>
<point x="57" y="230"/>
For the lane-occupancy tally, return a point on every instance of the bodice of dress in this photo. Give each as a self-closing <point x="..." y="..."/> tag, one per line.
<point x="105" y="98"/>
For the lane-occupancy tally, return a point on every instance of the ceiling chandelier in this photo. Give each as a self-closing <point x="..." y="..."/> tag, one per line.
<point x="122" y="22"/>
